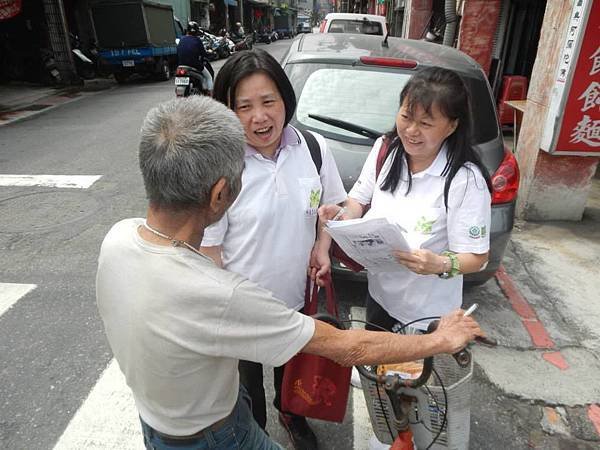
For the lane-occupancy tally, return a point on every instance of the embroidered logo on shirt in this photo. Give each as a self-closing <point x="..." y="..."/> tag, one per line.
<point x="477" y="232"/>
<point x="315" y="198"/>
<point x="424" y="226"/>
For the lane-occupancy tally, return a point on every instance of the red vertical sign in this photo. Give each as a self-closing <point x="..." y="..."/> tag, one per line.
<point x="580" y="127"/>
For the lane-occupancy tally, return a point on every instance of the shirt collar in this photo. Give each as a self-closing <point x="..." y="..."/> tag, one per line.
<point x="289" y="136"/>
<point x="436" y="168"/>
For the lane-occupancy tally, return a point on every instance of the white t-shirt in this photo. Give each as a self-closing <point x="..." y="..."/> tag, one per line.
<point x="269" y="231"/>
<point x="463" y="228"/>
<point x="177" y="325"/>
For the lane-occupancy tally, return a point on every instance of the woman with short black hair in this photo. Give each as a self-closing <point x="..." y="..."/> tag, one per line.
<point x="269" y="232"/>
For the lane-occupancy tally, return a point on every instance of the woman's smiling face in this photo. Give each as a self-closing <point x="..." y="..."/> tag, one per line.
<point x="260" y="108"/>
<point x="422" y="133"/>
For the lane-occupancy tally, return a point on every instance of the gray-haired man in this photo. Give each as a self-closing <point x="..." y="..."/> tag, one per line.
<point x="178" y="324"/>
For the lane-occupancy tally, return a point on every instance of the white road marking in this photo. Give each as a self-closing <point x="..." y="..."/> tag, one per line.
<point x="360" y="415"/>
<point x="108" y="418"/>
<point x="58" y="181"/>
<point x="10" y="293"/>
<point x="360" y="420"/>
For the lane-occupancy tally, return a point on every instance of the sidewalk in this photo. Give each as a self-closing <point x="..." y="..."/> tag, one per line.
<point x="19" y="100"/>
<point x="549" y="340"/>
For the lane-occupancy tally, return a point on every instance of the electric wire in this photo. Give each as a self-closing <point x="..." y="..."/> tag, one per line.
<point x="381" y="404"/>
<point x="445" y="410"/>
<point x="445" y="416"/>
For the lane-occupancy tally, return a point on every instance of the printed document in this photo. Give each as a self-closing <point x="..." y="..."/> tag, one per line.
<point x="370" y="242"/>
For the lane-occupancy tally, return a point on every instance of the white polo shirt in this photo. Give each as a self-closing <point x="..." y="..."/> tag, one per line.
<point x="463" y="228"/>
<point x="268" y="233"/>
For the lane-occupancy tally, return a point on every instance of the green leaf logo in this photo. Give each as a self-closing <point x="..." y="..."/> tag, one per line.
<point x="315" y="198"/>
<point x="424" y="226"/>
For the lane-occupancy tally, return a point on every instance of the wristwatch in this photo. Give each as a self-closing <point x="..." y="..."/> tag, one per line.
<point x="454" y="265"/>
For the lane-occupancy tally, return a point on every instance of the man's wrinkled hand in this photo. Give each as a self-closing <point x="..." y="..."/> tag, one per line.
<point x="457" y="331"/>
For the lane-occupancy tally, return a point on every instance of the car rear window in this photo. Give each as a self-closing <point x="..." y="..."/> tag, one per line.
<point x="355" y="27"/>
<point x="369" y="97"/>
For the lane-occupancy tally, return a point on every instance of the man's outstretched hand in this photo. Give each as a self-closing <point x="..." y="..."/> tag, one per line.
<point x="457" y="331"/>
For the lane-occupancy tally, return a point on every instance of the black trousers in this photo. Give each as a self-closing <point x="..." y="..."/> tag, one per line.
<point x="378" y="316"/>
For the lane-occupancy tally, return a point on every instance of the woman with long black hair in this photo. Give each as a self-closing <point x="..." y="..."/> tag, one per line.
<point x="434" y="185"/>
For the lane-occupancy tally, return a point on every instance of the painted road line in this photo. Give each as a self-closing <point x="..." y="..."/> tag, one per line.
<point x="57" y="181"/>
<point x="361" y="422"/>
<point x="10" y="293"/>
<point x="108" y="418"/>
<point x="594" y="416"/>
<point x="537" y="332"/>
<point x="362" y="428"/>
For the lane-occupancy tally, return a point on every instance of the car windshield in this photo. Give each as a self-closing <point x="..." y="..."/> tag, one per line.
<point x="355" y="27"/>
<point x="368" y="98"/>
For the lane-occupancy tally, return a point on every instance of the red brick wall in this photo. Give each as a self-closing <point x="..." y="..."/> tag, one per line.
<point x="477" y="28"/>
<point x="420" y="13"/>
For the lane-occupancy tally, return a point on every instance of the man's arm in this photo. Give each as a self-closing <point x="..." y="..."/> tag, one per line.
<point x="360" y="347"/>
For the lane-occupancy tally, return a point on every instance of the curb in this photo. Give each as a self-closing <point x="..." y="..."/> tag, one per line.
<point x="61" y="97"/>
<point x="553" y="420"/>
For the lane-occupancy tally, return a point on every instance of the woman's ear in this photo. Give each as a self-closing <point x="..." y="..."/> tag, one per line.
<point x="453" y="126"/>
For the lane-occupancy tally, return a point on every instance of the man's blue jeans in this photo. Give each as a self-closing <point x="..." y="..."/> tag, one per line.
<point x="240" y="431"/>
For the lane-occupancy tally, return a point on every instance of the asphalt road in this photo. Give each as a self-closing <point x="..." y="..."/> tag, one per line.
<point x="52" y="344"/>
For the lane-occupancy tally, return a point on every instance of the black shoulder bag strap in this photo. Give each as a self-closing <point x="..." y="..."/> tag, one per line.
<point x="314" y="148"/>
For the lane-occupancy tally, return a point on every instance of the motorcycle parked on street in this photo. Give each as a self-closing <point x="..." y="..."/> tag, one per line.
<point x="188" y="80"/>
<point x="85" y="65"/>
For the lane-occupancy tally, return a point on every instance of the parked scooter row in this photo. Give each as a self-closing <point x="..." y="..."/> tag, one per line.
<point x="188" y="80"/>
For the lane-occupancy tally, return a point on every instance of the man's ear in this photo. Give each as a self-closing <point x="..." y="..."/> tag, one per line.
<point x="218" y="195"/>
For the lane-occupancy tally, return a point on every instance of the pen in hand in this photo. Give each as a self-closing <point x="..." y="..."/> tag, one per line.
<point x="339" y="213"/>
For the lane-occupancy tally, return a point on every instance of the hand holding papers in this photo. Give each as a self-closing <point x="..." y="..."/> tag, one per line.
<point x="370" y="242"/>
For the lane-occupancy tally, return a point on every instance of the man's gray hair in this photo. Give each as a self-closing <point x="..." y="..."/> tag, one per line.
<point x="186" y="146"/>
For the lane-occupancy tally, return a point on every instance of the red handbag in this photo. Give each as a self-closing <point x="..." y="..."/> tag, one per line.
<point x="314" y="386"/>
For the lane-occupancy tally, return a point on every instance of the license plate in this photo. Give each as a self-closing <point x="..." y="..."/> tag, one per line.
<point x="128" y="63"/>
<point x="182" y="81"/>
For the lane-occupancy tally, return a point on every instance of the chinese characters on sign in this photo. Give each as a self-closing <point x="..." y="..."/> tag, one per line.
<point x="572" y="34"/>
<point x="587" y="130"/>
<point x="573" y="123"/>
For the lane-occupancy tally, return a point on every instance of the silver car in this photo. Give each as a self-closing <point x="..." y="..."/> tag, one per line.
<point x="348" y="89"/>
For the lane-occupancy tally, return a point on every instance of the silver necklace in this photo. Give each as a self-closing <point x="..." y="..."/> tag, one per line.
<point x="174" y="242"/>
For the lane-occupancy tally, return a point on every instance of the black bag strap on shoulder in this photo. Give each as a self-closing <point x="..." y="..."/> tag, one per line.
<point x="314" y="148"/>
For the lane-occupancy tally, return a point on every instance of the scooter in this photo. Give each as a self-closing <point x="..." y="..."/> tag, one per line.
<point x="85" y="67"/>
<point x="188" y="80"/>
<point x="244" y="43"/>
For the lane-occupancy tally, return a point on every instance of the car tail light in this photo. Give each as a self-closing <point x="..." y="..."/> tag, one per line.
<point x="389" y="62"/>
<point x="322" y="27"/>
<point x="505" y="182"/>
<point x="180" y="72"/>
